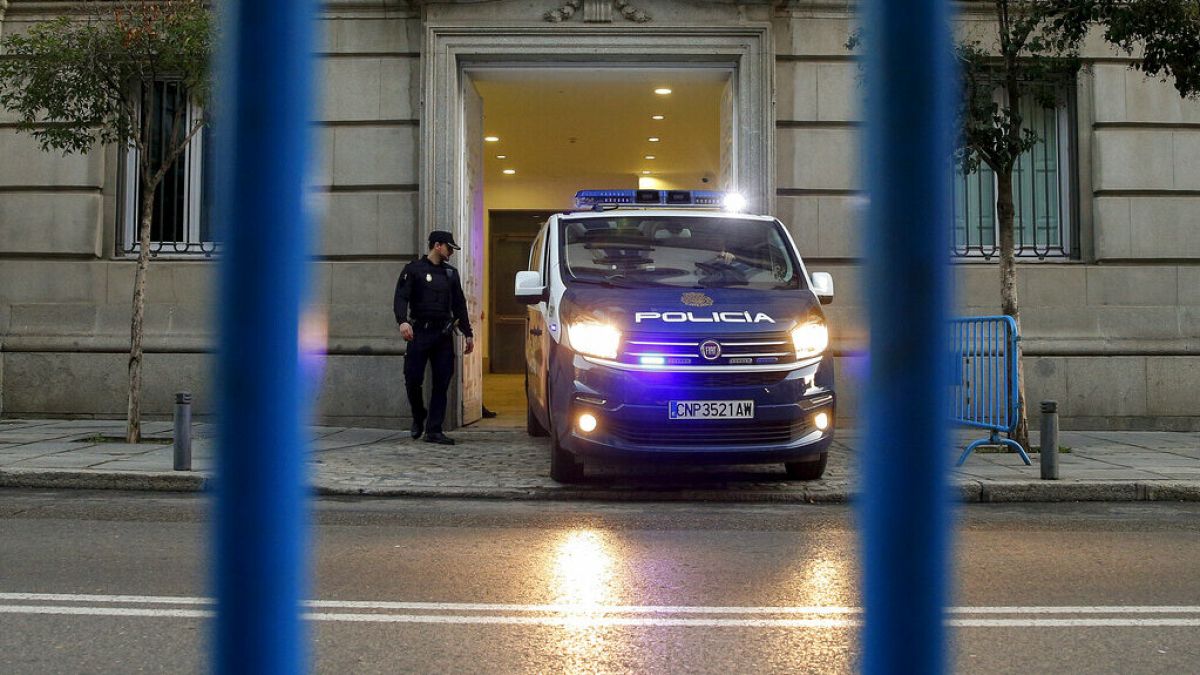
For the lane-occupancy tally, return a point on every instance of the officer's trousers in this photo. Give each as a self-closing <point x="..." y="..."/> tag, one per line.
<point x="429" y="346"/>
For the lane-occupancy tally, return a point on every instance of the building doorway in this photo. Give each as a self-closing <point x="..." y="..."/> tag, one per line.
<point x="547" y="132"/>
<point x="463" y="60"/>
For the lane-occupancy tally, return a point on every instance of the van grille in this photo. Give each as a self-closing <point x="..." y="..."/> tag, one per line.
<point x="710" y="379"/>
<point x="735" y="349"/>
<point x="711" y="432"/>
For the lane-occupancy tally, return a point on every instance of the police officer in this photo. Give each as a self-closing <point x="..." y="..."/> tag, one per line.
<point x="429" y="304"/>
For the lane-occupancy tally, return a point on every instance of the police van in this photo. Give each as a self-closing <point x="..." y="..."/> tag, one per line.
<point x="665" y="325"/>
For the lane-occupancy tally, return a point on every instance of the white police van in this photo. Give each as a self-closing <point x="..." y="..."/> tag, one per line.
<point x="663" y="326"/>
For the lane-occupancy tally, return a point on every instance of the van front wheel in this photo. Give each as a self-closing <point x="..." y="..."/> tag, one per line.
<point x="532" y="426"/>
<point x="810" y="470"/>
<point x="564" y="468"/>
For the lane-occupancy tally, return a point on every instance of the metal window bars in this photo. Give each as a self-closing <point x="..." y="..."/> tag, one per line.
<point x="1044" y="225"/>
<point x="180" y="223"/>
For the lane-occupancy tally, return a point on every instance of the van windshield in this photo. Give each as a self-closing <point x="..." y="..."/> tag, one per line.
<point x="679" y="251"/>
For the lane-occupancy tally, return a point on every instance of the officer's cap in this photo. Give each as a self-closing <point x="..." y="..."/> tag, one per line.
<point x="442" y="237"/>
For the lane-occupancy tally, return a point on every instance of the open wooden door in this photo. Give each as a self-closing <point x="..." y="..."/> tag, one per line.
<point x="473" y="249"/>
<point x="727" y="181"/>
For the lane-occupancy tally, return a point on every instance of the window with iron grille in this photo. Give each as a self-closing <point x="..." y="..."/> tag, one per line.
<point x="1044" y="224"/>
<point x="181" y="223"/>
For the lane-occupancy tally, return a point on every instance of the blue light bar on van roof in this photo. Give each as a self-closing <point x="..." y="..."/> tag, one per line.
<point x="589" y="199"/>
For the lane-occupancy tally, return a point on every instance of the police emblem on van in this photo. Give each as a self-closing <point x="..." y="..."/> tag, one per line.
<point x="710" y="350"/>
<point x="696" y="300"/>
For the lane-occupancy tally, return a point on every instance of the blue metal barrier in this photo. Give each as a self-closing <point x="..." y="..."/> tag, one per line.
<point x="985" y="392"/>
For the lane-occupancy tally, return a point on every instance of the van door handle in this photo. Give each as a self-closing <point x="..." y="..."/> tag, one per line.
<point x="535" y="331"/>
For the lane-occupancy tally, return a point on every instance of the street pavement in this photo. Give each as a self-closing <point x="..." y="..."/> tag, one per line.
<point x="110" y="582"/>
<point x="498" y="461"/>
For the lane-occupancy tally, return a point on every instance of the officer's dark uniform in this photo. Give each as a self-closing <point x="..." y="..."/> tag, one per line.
<point x="430" y="297"/>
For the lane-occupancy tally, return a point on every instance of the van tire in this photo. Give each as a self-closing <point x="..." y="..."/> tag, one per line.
<point x="532" y="426"/>
<point x="811" y="470"/>
<point x="564" y="468"/>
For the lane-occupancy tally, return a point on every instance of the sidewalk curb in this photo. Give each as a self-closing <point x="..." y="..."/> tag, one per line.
<point x="1175" y="491"/>
<point x="85" y="479"/>
<point x="830" y="495"/>
<point x="1060" y="491"/>
<point x="830" y="492"/>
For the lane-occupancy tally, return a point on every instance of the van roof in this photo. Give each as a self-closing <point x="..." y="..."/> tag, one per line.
<point x="674" y="213"/>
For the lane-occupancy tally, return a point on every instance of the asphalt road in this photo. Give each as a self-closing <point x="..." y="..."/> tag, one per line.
<point x="452" y="586"/>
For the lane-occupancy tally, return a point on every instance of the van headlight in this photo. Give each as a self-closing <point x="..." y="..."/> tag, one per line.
<point x="810" y="339"/>
<point x="594" y="339"/>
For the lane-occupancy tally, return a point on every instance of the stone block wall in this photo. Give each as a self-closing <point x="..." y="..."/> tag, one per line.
<point x="65" y="295"/>
<point x="1115" y="337"/>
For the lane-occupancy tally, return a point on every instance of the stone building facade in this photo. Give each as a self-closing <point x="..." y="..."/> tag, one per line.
<point x="1111" y="310"/>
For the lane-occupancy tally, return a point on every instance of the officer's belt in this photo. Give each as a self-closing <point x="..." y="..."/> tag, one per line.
<point x="426" y="324"/>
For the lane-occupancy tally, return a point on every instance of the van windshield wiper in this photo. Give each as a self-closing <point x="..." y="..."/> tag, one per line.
<point x="610" y="281"/>
<point x="622" y="281"/>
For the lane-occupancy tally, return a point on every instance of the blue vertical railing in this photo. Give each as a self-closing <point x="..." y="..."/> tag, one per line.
<point x="905" y="502"/>
<point x="264" y="113"/>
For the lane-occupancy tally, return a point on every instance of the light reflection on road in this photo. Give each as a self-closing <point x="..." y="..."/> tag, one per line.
<point x="583" y="570"/>
<point x="584" y="579"/>
<point x="821" y="577"/>
<point x="824" y="582"/>
<point x="589" y="577"/>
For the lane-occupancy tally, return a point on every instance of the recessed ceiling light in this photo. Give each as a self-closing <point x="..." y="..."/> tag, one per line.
<point x="662" y="91"/>
<point x="651" y="157"/>
<point x="509" y="172"/>
<point x="491" y="139"/>
<point x="656" y="117"/>
<point x="653" y="139"/>
<point x="501" y="156"/>
<point x="645" y="173"/>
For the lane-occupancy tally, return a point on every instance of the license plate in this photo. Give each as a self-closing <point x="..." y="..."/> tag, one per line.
<point x="710" y="410"/>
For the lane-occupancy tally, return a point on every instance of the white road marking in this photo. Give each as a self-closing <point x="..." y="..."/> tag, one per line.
<point x="108" y="611"/>
<point x="607" y="609"/>
<point x="1070" y="623"/>
<point x="608" y="615"/>
<point x="584" y="621"/>
<point x="74" y="597"/>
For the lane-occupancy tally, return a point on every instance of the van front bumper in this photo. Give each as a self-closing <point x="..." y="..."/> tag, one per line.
<point x="631" y="410"/>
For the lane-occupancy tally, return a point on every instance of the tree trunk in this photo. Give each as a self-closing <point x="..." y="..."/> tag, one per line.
<point x="133" y="428"/>
<point x="1008" y="290"/>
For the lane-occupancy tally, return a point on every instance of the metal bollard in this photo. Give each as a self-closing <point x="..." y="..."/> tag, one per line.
<point x="1049" y="460"/>
<point x="183" y="431"/>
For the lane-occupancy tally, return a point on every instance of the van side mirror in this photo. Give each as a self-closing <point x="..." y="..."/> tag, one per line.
<point x="529" y="287"/>
<point x="822" y="285"/>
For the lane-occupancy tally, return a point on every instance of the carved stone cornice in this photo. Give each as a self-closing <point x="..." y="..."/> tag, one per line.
<point x="597" y="11"/>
